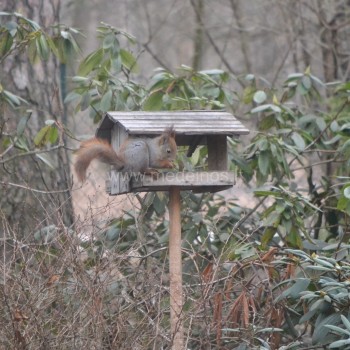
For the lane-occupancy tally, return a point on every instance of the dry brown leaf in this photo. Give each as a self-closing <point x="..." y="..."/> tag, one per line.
<point x="218" y="316"/>
<point x="245" y="310"/>
<point x="52" y="280"/>
<point x="269" y="256"/>
<point x="19" y="316"/>
<point x="207" y="273"/>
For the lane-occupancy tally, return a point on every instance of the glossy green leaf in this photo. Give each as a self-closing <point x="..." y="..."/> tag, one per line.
<point x="306" y="317"/>
<point x="264" y="162"/>
<point x="339" y="343"/>
<point x="260" y="108"/>
<point x="40" y="138"/>
<point x="346" y="192"/>
<point x="299" y="286"/>
<point x="116" y="64"/>
<point x="306" y="81"/>
<point x="298" y="141"/>
<point x="106" y="101"/>
<point x="109" y="41"/>
<point x="154" y="102"/>
<point x="273" y="219"/>
<point x="267" y="122"/>
<point x="72" y="96"/>
<point x="85" y="101"/>
<point x="294" y="238"/>
<point x="6" y="41"/>
<point x="302" y="90"/>
<point x="52" y="136"/>
<point x="43" y="47"/>
<point x="263" y="193"/>
<point x="22" y="124"/>
<point x="91" y="62"/>
<point x="21" y="143"/>
<point x="129" y="61"/>
<point x="11" y="98"/>
<point x="321" y="332"/>
<point x="45" y="158"/>
<point x="259" y="97"/>
<point x="346" y="323"/>
<point x="267" y="236"/>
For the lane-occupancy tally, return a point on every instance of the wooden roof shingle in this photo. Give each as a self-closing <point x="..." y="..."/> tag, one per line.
<point x="186" y="123"/>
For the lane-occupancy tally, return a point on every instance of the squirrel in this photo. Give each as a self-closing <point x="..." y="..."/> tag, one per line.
<point x="134" y="155"/>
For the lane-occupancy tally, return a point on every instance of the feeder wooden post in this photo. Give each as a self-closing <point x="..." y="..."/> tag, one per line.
<point x="175" y="269"/>
<point x="193" y="128"/>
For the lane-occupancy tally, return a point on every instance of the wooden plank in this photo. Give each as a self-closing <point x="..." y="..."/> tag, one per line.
<point x="172" y="117"/>
<point x="185" y="122"/>
<point x="117" y="116"/>
<point x="170" y="113"/>
<point x="118" y="183"/>
<point x="204" y="181"/>
<point x="217" y="152"/>
<point x="182" y="121"/>
<point x="189" y="130"/>
<point x="175" y="270"/>
<point x="190" y="178"/>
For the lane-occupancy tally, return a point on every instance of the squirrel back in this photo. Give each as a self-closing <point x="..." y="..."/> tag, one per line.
<point x="135" y="154"/>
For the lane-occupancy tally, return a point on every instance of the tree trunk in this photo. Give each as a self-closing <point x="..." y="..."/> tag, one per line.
<point x="198" y="37"/>
<point x="25" y="209"/>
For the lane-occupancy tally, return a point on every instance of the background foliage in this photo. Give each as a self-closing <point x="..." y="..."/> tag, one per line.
<point x="274" y="275"/>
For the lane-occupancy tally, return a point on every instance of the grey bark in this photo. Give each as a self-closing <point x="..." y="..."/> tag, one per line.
<point x="26" y="210"/>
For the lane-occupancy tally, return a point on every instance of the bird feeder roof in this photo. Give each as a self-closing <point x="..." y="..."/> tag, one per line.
<point x="186" y="123"/>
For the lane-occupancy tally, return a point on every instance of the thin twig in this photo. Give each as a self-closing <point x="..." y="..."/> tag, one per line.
<point x="33" y="189"/>
<point x="29" y="153"/>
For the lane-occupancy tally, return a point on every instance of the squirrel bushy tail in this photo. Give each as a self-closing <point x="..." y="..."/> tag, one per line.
<point x="136" y="154"/>
<point x="95" y="149"/>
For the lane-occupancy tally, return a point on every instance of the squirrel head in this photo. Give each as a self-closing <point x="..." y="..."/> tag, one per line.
<point x="168" y="148"/>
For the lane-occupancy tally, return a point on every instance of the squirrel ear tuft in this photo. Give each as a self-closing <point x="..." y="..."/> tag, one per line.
<point x="170" y="132"/>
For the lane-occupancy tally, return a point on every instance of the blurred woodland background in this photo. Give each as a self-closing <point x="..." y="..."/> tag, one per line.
<point x="265" y="264"/>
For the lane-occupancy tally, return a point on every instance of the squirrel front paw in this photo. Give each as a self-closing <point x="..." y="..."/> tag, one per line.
<point x="152" y="172"/>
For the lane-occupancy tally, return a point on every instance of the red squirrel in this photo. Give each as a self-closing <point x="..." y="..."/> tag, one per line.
<point x="134" y="155"/>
